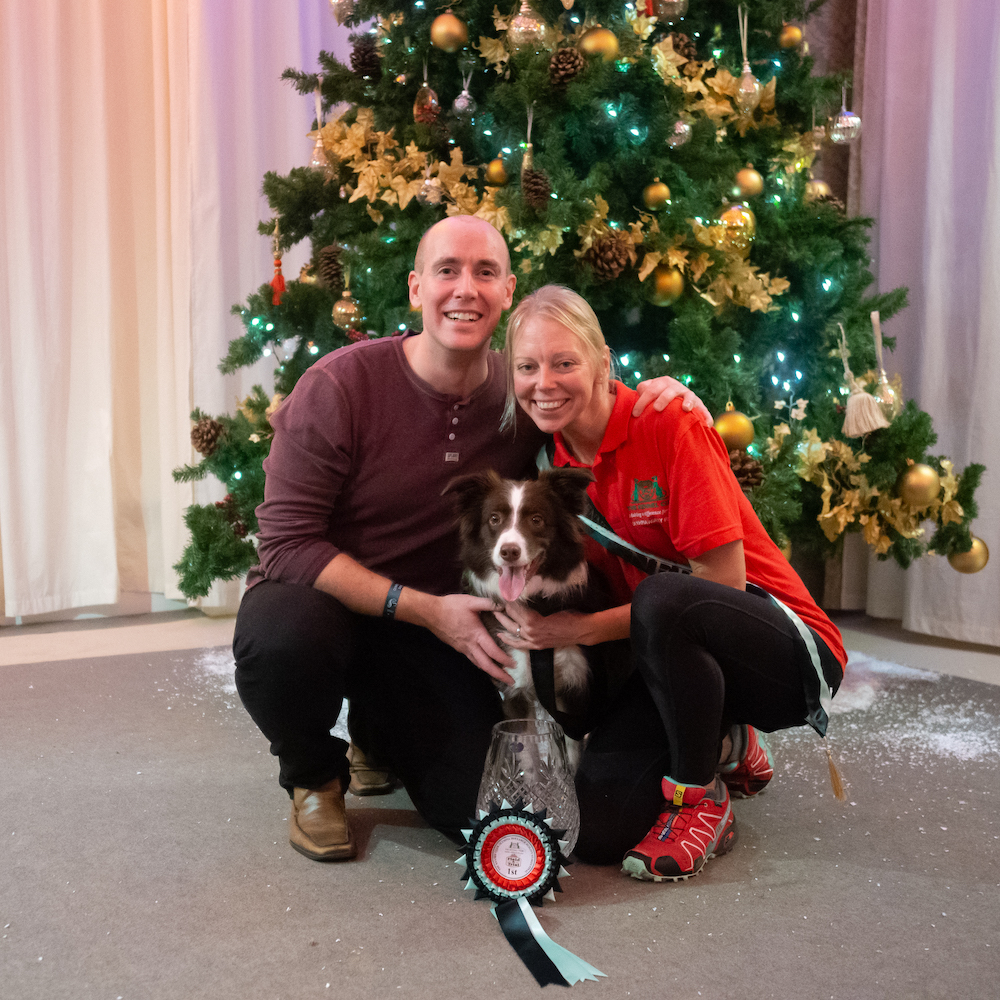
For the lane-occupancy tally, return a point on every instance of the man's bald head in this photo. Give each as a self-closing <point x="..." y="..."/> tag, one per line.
<point x="453" y="229"/>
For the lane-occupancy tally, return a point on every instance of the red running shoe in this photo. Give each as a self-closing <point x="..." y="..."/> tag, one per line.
<point x="692" y="828"/>
<point x="749" y="775"/>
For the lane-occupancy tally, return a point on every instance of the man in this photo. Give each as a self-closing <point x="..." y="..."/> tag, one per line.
<point x="357" y="591"/>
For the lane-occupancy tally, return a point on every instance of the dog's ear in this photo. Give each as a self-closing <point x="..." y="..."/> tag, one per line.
<point x="570" y="485"/>
<point x="470" y="490"/>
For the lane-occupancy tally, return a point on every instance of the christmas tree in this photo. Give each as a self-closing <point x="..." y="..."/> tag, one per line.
<point x="656" y="157"/>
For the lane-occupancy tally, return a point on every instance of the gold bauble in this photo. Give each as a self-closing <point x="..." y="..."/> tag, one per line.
<point x="750" y="182"/>
<point x="735" y="428"/>
<point x="740" y="228"/>
<point x="815" y="190"/>
<point x="526" y="28"/>
<point x="601" y="42"/>
<point x="919" y="485"/>
<point x="496" y="172"/>
<point x="790" y="37"/>
<point x="668" y="285"/>
<point x="346" y="311"/>
<point x="449" y="32"/>
<point x="973" y="560"/>
<point x="655" y="195"/>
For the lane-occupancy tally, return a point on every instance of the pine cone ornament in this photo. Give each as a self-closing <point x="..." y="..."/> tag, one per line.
<point x="565" y="64"/>
<point x="205" y="436"/>
<point x="330" y="266"/>
<point x="748" y="471"/>
<point x="683" y="45"/>
<point x="536" y="188"/>
<point x="365" y="59"/>
<point x="609" y="254"/>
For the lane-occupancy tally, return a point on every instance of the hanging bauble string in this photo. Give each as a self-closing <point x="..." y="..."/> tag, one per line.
<point x="668" y="285"/>
<point x="601" y="42"/>
<point x="679" y="134"/>
<point x="426" y="106"/>
<point x="790" y="37"/>
<point x="526" y="28"/>
<point x="973" y="560"/>
<point x="845" y="125"/>
<point x="320" y="160"/>
<point x="740" y="228"/>
<point x="448" y="32"/>
<point x="735" y="428"/>
<point x="535" y="185"/>
<point x="749" y="90"/>
<point x="496" y="173"/>
<point x="668" y="11"/>
<point x="655" y="195"/>
<point x="342" y="9"/>
<point x="862" y="413"/>
<point x="568" y="4"/>
<point x="464" y="106"/>
<point x="749" y="182"/>
<point x="886" y="395"/>
<point x="919" y="485"/>
<point x="565" y="64"/>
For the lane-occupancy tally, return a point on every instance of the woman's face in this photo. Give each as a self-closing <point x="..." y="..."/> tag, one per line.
<point x="555" y="381"/>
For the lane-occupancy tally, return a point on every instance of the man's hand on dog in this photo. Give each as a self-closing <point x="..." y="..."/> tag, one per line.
<point x="456" y="621"/>
<point x="526" y="629"/>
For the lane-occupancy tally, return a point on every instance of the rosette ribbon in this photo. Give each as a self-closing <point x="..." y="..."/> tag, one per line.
<point x="514" y="857"/>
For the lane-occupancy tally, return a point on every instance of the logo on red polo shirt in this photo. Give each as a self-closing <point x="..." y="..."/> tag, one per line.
<point x="646" y="494"/>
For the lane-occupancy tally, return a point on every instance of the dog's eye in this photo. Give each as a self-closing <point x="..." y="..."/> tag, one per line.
<point x="494" y="519"/>
<point x="536" y="520"/>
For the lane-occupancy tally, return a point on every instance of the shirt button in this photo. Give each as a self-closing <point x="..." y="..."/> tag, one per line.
<point x="454" y="420"/>
<point x="451" y="437"/>
<point x="455" y="406"/>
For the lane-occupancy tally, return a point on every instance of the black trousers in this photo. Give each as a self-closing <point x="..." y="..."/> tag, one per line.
<point x="418" y="706"/>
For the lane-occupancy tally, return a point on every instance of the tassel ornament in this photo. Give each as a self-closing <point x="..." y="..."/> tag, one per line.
<point x="278" y="281"/>
<point x="836" y="778"/>
<point x="864" y="414"/>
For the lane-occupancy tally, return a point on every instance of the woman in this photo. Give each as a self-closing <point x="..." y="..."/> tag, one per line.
<point x="721" y="659"/>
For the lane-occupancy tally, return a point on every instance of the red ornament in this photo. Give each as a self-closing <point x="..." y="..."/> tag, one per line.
<point x="277" y="283"/>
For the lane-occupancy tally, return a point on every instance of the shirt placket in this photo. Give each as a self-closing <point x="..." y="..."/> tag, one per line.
<point x="454" y="412"/>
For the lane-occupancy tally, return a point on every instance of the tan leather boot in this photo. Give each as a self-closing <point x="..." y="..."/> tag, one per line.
<point x="317" y="826"/>
<point x="368" y="778"/>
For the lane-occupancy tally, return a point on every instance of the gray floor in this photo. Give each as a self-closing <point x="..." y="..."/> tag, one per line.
<point x="143" y="854"/>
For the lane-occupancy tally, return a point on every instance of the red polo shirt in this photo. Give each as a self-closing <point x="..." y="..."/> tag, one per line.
<point x="664" y="483"/>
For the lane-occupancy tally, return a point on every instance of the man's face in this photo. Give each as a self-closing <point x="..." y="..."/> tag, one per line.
<point x="464" y="284"/>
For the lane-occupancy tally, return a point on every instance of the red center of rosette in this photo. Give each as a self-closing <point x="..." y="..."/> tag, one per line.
<point x="512" y="857"/>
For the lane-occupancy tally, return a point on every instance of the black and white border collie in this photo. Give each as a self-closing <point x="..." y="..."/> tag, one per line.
<point x="522" y="542"/>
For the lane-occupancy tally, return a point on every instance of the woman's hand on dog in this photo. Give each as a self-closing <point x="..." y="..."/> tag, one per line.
<point x="526" y="629"/>
<point x="454" y="619"/>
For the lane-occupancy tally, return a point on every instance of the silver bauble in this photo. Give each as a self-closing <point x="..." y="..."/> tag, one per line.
<point x="680" y="134"/>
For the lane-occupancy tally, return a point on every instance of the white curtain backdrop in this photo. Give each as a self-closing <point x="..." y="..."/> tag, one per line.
<point x="931" y="155"/>
<point x="133" y="140"/>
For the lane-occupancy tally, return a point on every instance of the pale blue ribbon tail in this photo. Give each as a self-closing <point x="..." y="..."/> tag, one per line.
<point x="572" y="968"/>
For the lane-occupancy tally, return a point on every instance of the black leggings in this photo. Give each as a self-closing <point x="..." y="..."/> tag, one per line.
<point x="706" y="656"/>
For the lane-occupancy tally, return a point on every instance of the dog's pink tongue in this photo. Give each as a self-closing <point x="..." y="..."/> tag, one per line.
<point x="511" y="582"/>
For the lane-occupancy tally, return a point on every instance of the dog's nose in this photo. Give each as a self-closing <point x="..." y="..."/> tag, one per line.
<point x="510" y="552"/>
